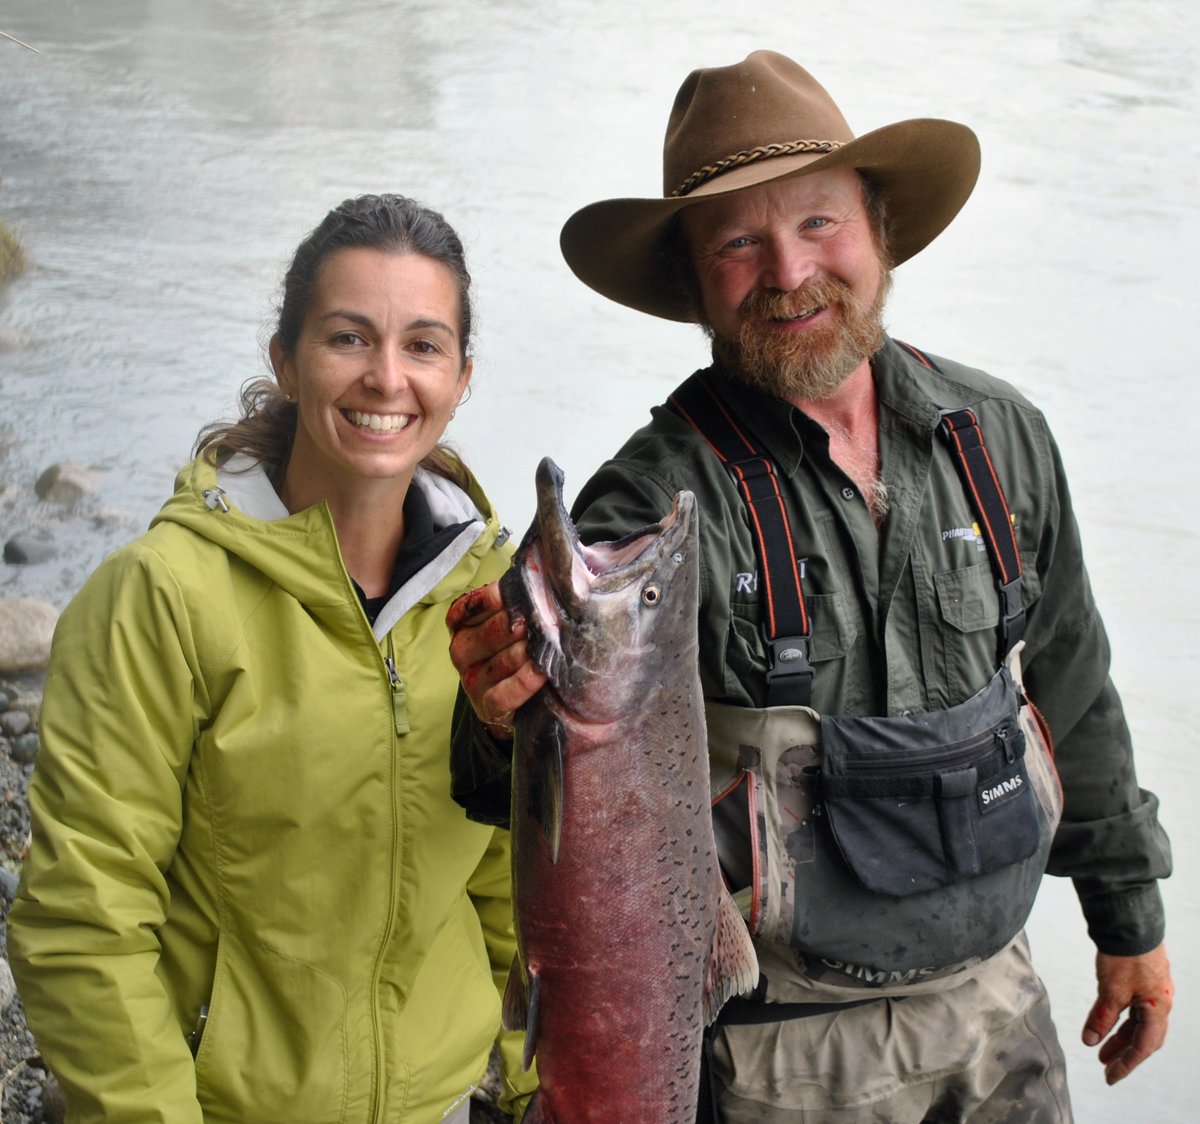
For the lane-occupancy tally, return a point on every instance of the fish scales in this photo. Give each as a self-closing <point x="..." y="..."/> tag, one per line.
<point x="628" y="940"/>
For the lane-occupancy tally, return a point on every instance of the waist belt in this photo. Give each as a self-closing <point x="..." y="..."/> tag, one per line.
<point x="786" y="624"/>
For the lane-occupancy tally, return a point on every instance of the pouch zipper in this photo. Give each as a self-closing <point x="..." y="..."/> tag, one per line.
<point x="955" y="753"/>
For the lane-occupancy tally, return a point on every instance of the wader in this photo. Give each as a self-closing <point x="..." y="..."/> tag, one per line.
<point x="885" y="865"/>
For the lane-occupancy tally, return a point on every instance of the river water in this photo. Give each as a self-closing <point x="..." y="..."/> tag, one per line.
<point x="161" y="159"/>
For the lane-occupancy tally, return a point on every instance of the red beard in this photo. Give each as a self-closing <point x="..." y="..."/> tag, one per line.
<point x="808" y="363"/>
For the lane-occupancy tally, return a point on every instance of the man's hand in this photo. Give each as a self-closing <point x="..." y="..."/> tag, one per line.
<point x="488" y="651"/>
<point x="1143" y="985"/>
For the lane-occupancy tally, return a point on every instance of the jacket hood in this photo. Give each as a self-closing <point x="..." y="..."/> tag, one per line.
<point x="236" y="507"/>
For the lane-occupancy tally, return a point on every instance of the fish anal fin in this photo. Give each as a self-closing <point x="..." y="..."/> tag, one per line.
<point x="732" y="962"/>
<point x="514" y="1008"/>
<point x="519" y="1010"/>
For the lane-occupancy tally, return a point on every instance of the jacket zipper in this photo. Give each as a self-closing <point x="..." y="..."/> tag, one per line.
<point x="399" y="691"/>
<point x="193" y="1039"/>
<point x="400" y="726"/>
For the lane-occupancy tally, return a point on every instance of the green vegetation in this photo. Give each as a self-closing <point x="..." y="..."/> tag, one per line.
<point x="12" y="257"/>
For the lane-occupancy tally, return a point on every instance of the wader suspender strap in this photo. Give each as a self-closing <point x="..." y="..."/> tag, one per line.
<point x="964" y="438"/>
<point x="786" y="625"/>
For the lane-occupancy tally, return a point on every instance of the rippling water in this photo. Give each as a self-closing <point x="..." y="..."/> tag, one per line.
<point x="161" y="160"/>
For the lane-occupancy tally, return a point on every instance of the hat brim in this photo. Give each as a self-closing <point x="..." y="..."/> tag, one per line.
<point x="926" y="169"/>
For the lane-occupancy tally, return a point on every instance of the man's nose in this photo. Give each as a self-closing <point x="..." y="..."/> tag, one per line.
<point x="787" y="264"/>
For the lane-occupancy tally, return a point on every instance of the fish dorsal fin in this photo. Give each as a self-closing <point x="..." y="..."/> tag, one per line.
<point x="732" y="962"/>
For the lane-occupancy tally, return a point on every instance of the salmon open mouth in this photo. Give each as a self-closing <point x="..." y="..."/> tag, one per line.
<point x="565" y="583"/>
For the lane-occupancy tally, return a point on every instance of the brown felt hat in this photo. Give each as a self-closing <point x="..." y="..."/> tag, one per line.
<point x="763" y="119"/>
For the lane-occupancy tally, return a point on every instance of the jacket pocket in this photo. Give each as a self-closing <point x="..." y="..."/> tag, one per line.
<point x="274" y="1043"/>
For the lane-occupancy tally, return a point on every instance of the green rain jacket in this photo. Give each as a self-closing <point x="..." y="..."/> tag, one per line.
<point x="904" y="618"/>
<point x="242" y="805"/>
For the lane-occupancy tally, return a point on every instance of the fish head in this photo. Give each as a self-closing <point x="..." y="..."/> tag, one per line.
<point x="611" y="622"/>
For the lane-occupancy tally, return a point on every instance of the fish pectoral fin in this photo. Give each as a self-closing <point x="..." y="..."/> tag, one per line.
<point x="549" y="804"/>
<point x="732" y="962"/>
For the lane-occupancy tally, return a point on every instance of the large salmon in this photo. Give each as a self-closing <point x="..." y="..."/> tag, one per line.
<point x="629" y="942"/>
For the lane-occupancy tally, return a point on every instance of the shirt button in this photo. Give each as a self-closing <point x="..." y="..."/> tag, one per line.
<point x="847" y="493"/>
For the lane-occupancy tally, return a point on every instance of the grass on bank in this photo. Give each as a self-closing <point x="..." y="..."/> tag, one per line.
<point x="12" y="257"/>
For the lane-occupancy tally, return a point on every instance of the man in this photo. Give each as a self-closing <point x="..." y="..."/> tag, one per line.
<point x="776" y="233"/>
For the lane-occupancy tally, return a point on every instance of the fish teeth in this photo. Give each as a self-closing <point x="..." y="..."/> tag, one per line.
<point x="378" y="423"/>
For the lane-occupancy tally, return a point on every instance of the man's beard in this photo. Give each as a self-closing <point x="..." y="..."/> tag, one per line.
<point x="806" y="363"/>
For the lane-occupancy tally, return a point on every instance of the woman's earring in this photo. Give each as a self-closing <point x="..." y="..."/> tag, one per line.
<point x="462" y="401"/>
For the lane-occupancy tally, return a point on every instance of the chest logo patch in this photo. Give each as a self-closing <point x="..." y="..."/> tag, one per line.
<point x="971" y="534"/>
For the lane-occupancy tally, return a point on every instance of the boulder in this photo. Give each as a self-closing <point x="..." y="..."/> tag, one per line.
<point x="67" y="482"/>
<point x="25" y="549"/>
<point x="14" y="723"/>
<point x="24" y="750"/>
<point x="26" y="628"/>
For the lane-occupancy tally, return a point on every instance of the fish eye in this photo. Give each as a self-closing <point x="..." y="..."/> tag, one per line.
<point x="652" y="594"/>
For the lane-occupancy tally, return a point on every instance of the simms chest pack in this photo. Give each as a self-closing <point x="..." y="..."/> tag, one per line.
<point x="884" y="850"/>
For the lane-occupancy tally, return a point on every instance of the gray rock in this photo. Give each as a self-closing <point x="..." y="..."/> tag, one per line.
<point x="26" y="549"/>
<point x="26" y="628"/>
<point x="9" y="880"/>
<point x="14" y="723"/>
<point x="8" y="987"/>
<point x="24" y="750"/>
<point x="67" y="482"/>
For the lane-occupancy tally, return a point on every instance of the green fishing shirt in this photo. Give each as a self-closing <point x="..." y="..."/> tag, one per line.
<point x="905" y="616"/>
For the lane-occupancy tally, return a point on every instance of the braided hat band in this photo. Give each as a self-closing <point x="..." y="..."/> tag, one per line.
<point x="749" y="156"/>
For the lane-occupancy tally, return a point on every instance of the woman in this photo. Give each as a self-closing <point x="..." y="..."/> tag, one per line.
<point x="250" y="896"/>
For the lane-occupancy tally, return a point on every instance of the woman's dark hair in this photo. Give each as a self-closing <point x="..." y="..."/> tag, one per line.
<point x="392" y="223"/>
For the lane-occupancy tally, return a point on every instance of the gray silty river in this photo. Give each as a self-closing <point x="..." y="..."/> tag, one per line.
<point x="161" y="159"/>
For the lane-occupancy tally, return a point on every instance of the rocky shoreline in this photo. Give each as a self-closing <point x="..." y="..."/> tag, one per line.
<point x="28" y="1093"/>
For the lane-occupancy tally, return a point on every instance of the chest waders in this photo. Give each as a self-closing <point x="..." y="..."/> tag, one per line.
<point x="875" y="853"/>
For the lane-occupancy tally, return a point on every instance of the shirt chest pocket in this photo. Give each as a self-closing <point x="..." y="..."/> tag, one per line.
<point x="968" y="609"/>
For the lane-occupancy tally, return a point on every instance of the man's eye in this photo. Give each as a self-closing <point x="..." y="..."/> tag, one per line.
<point x="816" y="223"/>
<point x="739" y="243"/>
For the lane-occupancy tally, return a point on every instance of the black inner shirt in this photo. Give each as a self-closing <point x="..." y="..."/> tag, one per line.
<point x="422" y="544"/>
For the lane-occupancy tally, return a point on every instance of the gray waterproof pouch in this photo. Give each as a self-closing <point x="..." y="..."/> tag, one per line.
<point x="905" y="847"/>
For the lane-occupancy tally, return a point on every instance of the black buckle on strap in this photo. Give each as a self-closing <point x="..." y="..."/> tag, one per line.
<point x="1012" y="615"/>
<point x="790" y="675"/>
